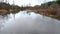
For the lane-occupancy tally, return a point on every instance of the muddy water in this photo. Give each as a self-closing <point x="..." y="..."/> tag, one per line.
<point x="29" y="23"/>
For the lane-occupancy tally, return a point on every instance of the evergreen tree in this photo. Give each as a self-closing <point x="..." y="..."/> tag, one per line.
<point x="58" y="1"/>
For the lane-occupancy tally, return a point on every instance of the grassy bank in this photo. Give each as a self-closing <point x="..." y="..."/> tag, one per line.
<point x="51" y="9"/>
<point x="7" y="8"/>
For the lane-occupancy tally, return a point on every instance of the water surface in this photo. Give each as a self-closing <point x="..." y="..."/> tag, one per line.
<point x="28" y="23"/>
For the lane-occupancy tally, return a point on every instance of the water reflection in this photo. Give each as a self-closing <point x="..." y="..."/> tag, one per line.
<point x="30" y="23"/>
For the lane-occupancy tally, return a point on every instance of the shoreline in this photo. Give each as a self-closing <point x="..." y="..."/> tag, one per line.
<point x="46" y="14"/>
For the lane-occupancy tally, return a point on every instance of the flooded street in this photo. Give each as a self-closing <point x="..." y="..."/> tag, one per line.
<point x="28" y="23"/>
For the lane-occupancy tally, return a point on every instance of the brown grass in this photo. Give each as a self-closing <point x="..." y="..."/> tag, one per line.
<point x="3" y="11"/>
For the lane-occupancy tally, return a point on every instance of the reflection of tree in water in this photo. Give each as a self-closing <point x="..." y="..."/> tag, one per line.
<point x="28" y="12"/>
<point x="2" y="21"/>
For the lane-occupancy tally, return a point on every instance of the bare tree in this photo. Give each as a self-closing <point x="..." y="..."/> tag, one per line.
<point x="1" y="0"/>
<point x="6" y="1"/>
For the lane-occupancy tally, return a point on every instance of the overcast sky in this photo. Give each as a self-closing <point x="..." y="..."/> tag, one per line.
<point x="26" y="2"/>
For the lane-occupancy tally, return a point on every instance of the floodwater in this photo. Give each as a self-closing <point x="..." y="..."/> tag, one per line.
<point x="28" y="23"/>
